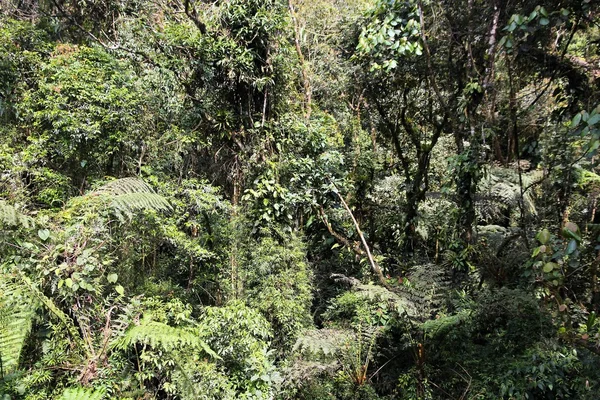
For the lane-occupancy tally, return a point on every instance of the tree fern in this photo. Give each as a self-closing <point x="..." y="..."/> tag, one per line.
<point x="502" y="188"/>
<point x="16" y="315"/>
<point x="128" y="195"/>
<point x="125" y="186"/>
<point x="160" y="335"/>
<point x="9" y="215"/>
<point x="427" y="289"/>
<point x="399" y="302"/>
<point x="82" y="394"/>
<point x="19" y="299"/>
<point x="325" y="342"/>
<point x="66" y="321"/>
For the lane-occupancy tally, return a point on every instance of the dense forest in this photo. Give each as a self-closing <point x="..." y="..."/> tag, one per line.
<point x="300" y="199"/>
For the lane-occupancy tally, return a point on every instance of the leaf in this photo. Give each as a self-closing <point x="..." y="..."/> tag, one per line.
<point x="572" y="227"/>
<point x="112" y="278"/>
<point x="562" y="307"/>
<point x="80" y="393"/>
<point x="593" y="120"/>
<point x="571" y="230"/>
<point x="16" y="315"/>
<point x="120" y="289"/>
<point x="571" y="247"/>
<point x="544" y="21"/>
<point x="549" y="266"/>
<point x="9" y="215"/>
<point x="43" y="234"/>
<point x="543" y="237"/>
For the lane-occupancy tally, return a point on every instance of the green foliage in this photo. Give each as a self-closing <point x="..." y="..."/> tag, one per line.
<point x="10" y="216"/>
<point x="239" y="335"/>
<point x="543" y="372"/>
<point x="16" y="318"/>
<point x="277" y="282"/>
<point x="82" y="394"/>
<point x="346" y="199"/>
<point x="130" y="194"/>
<point x="160" y="335"/>
<point x="502" y="191"/>
<point x="86" y="109"/>
<point x="322" y="341"/>
<point x="392" y="32"/>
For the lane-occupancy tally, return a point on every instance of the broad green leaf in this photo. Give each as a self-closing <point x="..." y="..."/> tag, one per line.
<point x="543" y="237"/>
<point x="571" y="247"/>
<point x="43" y="234"/>
<point x="549" y="267"/>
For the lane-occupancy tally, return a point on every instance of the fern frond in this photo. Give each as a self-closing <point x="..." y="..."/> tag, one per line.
<point x="9" y="215"/>
<point x="163" y="336"/>
<point x="429" y="284"/>
<point x="401" y="304"/>
<point x="16" y="316"/>
<point x="125" y="186"/>
<point x="503" y="187"/>
<point x="33" y="292"/>
<point x="128" y="195"/>
<point x="323" y="341"/>
<point x="442" y="325"/>
<point x="82" y="394"/>
<point x="137" y="201"/>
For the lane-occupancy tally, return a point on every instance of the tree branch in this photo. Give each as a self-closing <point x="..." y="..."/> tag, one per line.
<point x="193" y="15"/>
<point x="374" y="266"/>
<point x="430" y="75"/>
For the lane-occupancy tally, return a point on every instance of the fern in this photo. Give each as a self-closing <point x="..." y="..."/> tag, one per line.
<point x="82" y="394"/>
<point x="67" y="322"/>
<point x="19" y="299"/>
<point x="322" y="341"/>
<point x="400" y="303"/>
<point x="125" y="186"/>
<point x="136" y="201"/>
<point x="9" y="215"/>
<point x="160" y="335"/>
<point x="128" y="195"/>
<point x="425" y="291"/>
<point x="16" y="316"/>
<point x="444" y="324"/>
<point x="502" y="188"/>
